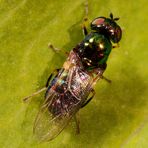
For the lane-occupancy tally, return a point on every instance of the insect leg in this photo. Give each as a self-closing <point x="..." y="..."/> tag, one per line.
<point x="53" y="48"/>
<point x="106" y="79"/>
<point x="116" y="45"/>
<point x="34" y="94"/>
<point x="54" y="73"/>
<point x="48" y="80"/>
<point x="77" y="124"/>
<point x="41" y="90"/>
<point x="57" y="50"/>
<point x="88" y="100"/>
<point x="85" y="32"/>
<point x="86" y="9"/>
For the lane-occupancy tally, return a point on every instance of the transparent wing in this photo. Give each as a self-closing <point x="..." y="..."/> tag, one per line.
<point x="64" y="99"/>
<point x="53" y="117"/>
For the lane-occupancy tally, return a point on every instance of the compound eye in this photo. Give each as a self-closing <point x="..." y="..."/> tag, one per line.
<point x="98" y="21"/>
<point x="118" y="33"/>
<point x="116" y="37"/>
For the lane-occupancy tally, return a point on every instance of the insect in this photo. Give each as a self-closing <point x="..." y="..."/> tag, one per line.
<point x="71" y="87"/>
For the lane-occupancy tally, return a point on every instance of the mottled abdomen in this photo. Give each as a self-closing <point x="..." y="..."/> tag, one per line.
<point x="71" y="87"/>
<point x="63" y="103"/>
<point x="69" y="91"/>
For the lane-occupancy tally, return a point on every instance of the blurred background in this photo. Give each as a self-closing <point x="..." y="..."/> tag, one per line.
<point x="118" y="114"/>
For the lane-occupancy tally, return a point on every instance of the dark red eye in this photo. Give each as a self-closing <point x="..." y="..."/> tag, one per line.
<point x="115" y="33"/>
<point x="118" y="33"/>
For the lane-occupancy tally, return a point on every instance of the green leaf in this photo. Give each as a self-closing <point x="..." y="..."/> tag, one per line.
<point x="117" y="116"/>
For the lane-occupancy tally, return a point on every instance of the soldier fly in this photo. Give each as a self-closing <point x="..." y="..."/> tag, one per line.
<point x="69" y="89"/>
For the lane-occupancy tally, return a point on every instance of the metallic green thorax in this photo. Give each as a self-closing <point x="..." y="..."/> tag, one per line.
<point x="95" y="50"/>
<point x="105" y="45"/>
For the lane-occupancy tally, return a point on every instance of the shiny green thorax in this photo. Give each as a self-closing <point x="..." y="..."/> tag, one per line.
<point x="104" y="46"/>
<point x="95" y="50"/>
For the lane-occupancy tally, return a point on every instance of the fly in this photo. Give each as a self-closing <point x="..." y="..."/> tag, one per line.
<point x="70" y="88"/>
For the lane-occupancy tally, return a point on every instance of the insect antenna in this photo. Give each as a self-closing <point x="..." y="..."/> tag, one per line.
<point x="116" y="19"/>
<point x="111" y="16"/>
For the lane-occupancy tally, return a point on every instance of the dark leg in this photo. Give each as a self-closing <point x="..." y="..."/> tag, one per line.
<point x="88" y="100"/>
<point x="107" y="80"/>
<point x="85" y="32"/>
<point x="48" y="80"/>
<point x="54" y="73"/>
<point x="77" y="124"/>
